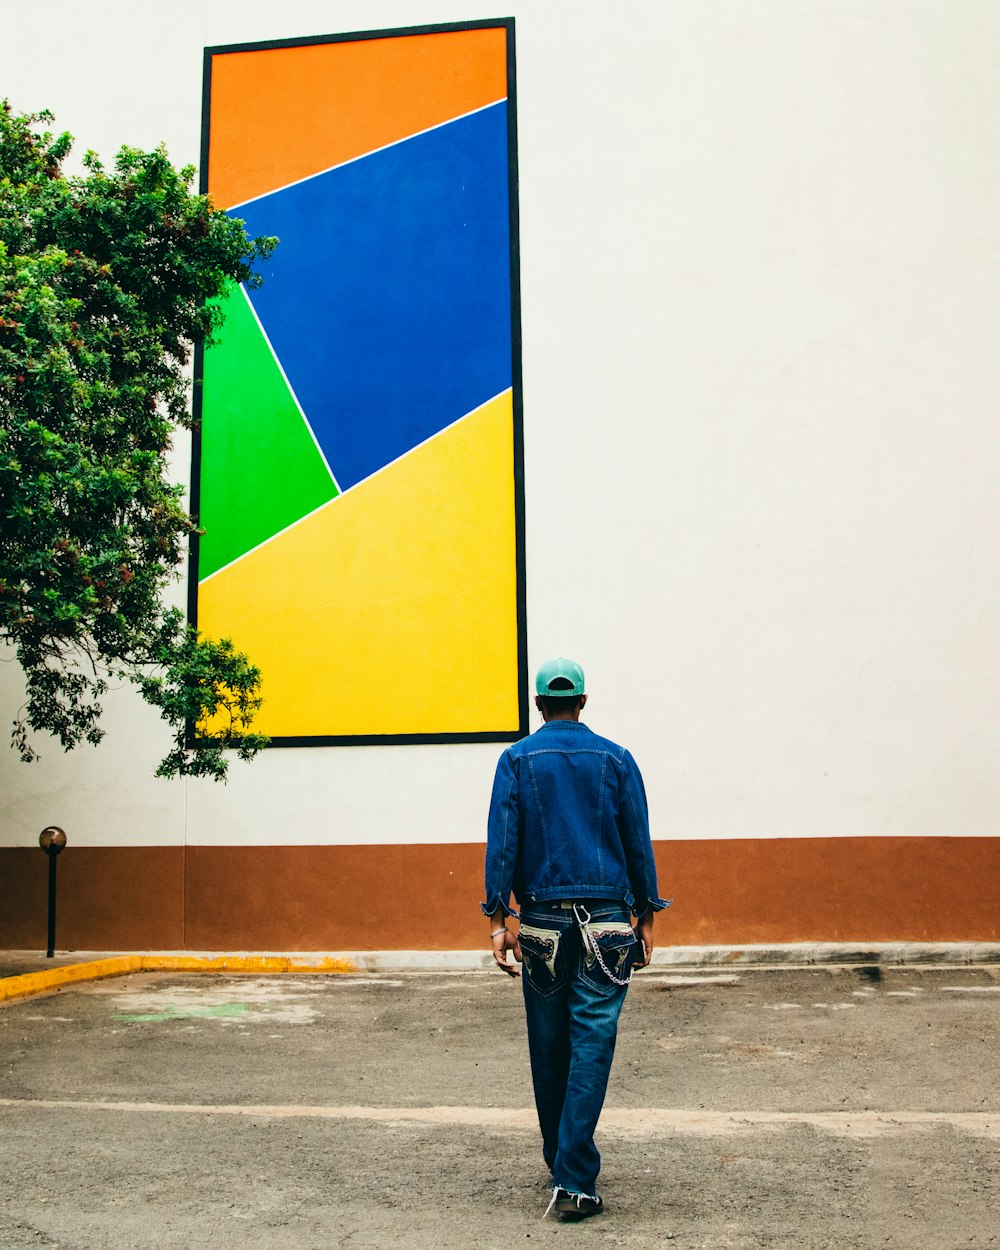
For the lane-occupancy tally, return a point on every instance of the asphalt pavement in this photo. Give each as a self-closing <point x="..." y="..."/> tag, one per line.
<point x="853" y="1106"/>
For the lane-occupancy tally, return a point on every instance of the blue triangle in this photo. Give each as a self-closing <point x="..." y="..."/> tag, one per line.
<point x="388" y="299"/>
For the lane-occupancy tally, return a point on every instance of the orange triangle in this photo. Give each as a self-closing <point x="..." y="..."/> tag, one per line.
<point x="282" y="114"/>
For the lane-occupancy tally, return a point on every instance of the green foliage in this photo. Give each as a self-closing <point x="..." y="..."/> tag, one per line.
<point x="107" y="280"/>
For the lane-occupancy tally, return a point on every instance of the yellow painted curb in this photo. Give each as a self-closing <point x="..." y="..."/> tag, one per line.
<point x="54" y="978"/>
<point x="242" y="963"/>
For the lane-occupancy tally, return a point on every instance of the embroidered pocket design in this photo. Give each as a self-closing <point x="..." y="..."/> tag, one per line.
<point x="617" y="943"/>
<point x="540" y="951"/>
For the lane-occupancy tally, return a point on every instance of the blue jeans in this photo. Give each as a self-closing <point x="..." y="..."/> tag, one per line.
<point x="572" y="1009"/>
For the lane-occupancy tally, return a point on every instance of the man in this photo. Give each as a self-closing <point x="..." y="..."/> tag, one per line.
<point x="569" y="836"/>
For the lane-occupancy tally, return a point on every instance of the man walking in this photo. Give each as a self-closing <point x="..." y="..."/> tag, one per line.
<point x="569" y="836"/>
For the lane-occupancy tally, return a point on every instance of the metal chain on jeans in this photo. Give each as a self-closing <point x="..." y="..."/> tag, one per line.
<point x="591" y="942"/>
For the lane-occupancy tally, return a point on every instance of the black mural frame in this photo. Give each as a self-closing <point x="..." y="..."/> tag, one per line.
<point x="515" y="336"/>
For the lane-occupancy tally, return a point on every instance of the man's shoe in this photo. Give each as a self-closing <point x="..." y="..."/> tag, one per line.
<point x="572" y="1207"/>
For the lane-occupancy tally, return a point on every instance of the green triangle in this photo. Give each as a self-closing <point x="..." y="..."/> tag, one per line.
<point x="260" y="467"/>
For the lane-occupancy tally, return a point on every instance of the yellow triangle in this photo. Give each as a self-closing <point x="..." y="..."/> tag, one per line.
<point x="393" y="609"/>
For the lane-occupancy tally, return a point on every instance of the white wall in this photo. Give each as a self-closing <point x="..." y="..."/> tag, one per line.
<point x="760" y="254"/>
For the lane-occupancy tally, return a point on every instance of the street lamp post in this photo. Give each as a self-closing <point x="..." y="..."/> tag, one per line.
<point x="52" y="840"/>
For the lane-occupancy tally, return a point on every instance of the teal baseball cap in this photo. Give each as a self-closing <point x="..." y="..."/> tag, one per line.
<point x="559" y="679"/>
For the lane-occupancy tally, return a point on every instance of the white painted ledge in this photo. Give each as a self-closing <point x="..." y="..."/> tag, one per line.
<point x="795" y="954"/>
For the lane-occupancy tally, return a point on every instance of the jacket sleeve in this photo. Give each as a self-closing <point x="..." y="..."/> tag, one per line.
<point x="503" y="837"/>
<point x="633" y="827"/>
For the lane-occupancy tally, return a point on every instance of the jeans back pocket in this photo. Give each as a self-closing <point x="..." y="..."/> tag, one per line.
<point x="618" y="944"/>
<point x="540" y="953"/>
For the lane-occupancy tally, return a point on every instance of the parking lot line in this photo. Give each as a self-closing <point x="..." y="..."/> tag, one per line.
<point x="636" y="1122"/>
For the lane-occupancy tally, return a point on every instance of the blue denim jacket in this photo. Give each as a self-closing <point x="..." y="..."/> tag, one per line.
<point x="568" y="819"/>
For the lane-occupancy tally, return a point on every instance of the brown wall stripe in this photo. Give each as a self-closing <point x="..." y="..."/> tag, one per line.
<point x="308" y="898"/>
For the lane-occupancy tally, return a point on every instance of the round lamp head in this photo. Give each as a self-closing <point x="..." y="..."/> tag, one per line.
<point x="53" y="836"/>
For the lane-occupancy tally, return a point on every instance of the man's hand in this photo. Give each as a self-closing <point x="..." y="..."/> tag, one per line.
<point x="504" y="941"/>
<point x="644" y="933"/>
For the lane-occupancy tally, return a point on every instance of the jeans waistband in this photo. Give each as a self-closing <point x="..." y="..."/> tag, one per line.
<point x="563" y="908"/>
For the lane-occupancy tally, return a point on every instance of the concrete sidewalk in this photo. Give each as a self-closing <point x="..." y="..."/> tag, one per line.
<point x="749" y="1107"/>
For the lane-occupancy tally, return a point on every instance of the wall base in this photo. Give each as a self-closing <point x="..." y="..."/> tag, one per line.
<point x="727" y="893"/>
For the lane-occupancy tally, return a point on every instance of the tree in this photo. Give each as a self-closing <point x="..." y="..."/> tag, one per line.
<point x="107" y="280"/>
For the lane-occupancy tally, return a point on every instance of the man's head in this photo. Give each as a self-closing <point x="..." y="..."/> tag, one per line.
<point x="560" y="690"/>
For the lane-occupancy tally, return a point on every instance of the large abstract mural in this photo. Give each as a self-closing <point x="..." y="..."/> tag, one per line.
<point x="358" y="467"/>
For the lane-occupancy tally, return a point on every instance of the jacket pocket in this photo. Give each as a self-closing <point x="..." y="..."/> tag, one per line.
<point x="540" y="952"/>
